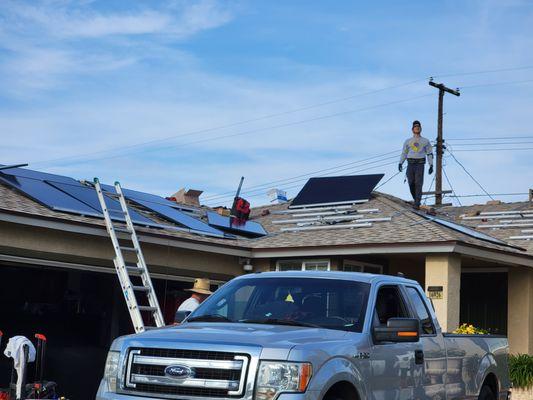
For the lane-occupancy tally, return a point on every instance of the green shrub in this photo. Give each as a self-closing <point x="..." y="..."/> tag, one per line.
<point x="468" y="329"/>
<point x="521" y="370"/>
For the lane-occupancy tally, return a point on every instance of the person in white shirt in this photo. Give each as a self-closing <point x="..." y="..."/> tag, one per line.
<point x="200" y="292"/>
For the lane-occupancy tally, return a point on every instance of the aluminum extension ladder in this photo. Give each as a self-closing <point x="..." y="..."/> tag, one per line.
<point x="124" y="270"/>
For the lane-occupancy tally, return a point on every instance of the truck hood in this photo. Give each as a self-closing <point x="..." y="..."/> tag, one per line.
<point x="272" y="339"/>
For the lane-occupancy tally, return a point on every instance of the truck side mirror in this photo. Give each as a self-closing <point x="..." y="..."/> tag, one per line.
<point x="398" y="330"/>
<point x="180" y="316"/>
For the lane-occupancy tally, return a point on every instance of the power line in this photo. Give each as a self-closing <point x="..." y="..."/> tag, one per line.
<point x="492" y="144"/>
<point x="496" y="84"/>
<point x="284" y="125"/>
<point x="488" y="71"/>
<point x="302" y="175"/>
<point x="492" y="138"/>
<point x="449" y="183"/>
<point x="273" y="115"/>
<point x="470" y="175"/>
<point x="388" y="180"/>
<point x="493" y="149"/>
<point x="299" y="185"/>
<point x="485" y="195"/>
<point x="233" y="124"/>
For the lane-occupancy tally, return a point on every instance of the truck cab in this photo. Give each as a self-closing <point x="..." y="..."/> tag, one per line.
<point x="308" y="336"/>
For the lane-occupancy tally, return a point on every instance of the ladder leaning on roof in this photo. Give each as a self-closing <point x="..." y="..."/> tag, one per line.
<point x="124" y="270"/>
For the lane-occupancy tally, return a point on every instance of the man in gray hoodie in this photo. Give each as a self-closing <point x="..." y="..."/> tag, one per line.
<point x="415" y="151"/>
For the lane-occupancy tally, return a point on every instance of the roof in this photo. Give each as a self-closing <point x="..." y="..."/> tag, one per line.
<point x="405" y="227"/>
<point x="503" y="233"/>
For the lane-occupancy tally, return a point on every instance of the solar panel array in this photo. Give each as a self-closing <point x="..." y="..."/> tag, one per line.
<point x="229" y="224"/>
<point x="64" y="194"/>
<point x="495" y="220"/>
<point x="328" y="218"/>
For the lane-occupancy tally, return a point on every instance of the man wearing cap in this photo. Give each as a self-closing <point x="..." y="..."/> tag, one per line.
<point x="200" y="292"/>
<point x="415" y="151"/>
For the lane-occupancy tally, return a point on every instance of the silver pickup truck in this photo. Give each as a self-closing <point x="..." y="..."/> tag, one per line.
<point x="308" y="336"/>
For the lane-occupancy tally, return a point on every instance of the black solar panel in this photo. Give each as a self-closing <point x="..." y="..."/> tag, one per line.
<point x="88" y="196"/>
<point x="48" y="195"/>
<point x="42" y="176"/>
<point x="249" y="228"/>
<point x="336" y="190"/>
<point x="175" y="215"/>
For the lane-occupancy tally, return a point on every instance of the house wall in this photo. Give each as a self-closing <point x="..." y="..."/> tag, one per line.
<point x="45" y="243"/>
<point x="520" y="310"/>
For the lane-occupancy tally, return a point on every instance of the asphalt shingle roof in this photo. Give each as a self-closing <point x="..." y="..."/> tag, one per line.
<point x="405" y="227"/>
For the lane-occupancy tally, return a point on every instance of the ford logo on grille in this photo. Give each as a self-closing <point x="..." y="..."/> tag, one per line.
<point x="179" y="371"/>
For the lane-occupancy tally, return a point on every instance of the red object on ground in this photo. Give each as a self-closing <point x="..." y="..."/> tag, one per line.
<point x="40" y="336"/>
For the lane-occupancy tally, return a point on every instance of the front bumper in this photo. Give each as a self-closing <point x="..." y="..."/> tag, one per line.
<point x="104" y="394"/>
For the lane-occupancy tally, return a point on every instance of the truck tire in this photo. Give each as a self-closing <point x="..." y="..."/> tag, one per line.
<point x="486" y="393"/>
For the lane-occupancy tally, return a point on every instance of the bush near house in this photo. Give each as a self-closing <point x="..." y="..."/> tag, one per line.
<point x="521" y="370"/>
<point x="468" y="329"/>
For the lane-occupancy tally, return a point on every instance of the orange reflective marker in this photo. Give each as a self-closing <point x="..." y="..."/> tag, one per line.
<point x="407" y="334"/>
<point x="305" y="376"/>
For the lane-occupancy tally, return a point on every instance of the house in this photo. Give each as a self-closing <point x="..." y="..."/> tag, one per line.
<point x="58" y="277"/>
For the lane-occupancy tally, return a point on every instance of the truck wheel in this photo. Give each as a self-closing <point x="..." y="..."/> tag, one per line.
<point x="486" y="394"/>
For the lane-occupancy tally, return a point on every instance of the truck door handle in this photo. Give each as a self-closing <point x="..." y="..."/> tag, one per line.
<point x="419" y="357"/>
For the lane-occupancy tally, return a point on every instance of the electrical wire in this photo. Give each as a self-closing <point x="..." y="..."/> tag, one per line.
<point x="488" y="71"/>
<point x="470" y="175"/>
<point x="495" y="84"/>
<point x="492" y="149"/>
<point x="307" y="174"/>
<point x="450" y="184"/>
<point x="273" y="115"/>
<point x="491" y="138"/>
<point x="388" y="180"/>
<point x="485" y="195"/>
<point x="284" y="125"/>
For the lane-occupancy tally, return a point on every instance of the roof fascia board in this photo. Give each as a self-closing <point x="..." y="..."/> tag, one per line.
<point x="492" y="255"/>
<point x="96" y="231"/>
<point x="92" y="268"/>
<point x="332" y="251"/>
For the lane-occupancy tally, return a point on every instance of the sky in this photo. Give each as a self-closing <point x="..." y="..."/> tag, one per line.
<point x="162" y="95"/>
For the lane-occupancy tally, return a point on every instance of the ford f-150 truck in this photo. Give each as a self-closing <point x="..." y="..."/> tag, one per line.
<point x="308" y="336"/>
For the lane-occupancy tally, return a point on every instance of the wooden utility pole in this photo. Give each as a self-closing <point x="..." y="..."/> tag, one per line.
<point x="440" y="140"/>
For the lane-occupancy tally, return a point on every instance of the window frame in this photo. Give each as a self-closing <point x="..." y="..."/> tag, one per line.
<point x="360" y="264"/>
<point x="303" y="261"/>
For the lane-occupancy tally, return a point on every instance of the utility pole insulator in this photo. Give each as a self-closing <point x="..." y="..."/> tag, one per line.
<point x="440" y="141"/>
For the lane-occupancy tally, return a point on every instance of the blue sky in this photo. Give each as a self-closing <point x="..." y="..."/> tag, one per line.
<point x="203" y="92"/>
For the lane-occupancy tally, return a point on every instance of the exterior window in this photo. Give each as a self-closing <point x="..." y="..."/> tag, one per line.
<point x="422" y="313"/>
<point x="389" y="304"/>
<point x="303" y="265"/>
<point x="357" y="266"/>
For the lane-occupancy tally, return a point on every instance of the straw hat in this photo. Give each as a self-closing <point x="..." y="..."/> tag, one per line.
<point x="201" y="286"/>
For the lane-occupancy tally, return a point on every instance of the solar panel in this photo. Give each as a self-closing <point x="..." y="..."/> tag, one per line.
<point x="336" y="190"/>
<point x="464" y="229"/>
<point x="42" y="176"/>
<point x="88" y="196"/>
<point x="174" y="215"/>
<point x="152" y="198"/>
<point x="249" y="228"/>
<point x="47" y="195"/>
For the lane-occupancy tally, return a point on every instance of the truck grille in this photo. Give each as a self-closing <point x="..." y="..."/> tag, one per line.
<point x="186" y="372"/>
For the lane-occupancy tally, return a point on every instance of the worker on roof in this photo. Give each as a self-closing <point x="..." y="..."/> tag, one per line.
<point x="415" y="150"/>
<point x="200" y="292"/>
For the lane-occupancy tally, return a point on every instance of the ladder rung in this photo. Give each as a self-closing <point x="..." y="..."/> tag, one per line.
<point x="127" y="248"/>
<point x="135" y="270"/>
<point x="147" y="308"/>
<point x="124" y="230"/>
<point x="141" y="288"/>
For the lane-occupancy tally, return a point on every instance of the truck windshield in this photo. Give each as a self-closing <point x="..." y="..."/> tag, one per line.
<point x="305" y="302"/>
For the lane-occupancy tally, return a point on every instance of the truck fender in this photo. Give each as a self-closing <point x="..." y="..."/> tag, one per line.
<point x="486" y="366"/>
<point x="338" y="370"/>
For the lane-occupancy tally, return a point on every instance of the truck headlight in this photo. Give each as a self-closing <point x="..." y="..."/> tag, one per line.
<point x="277" y="377"/>
<point x="111" y="369"/>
